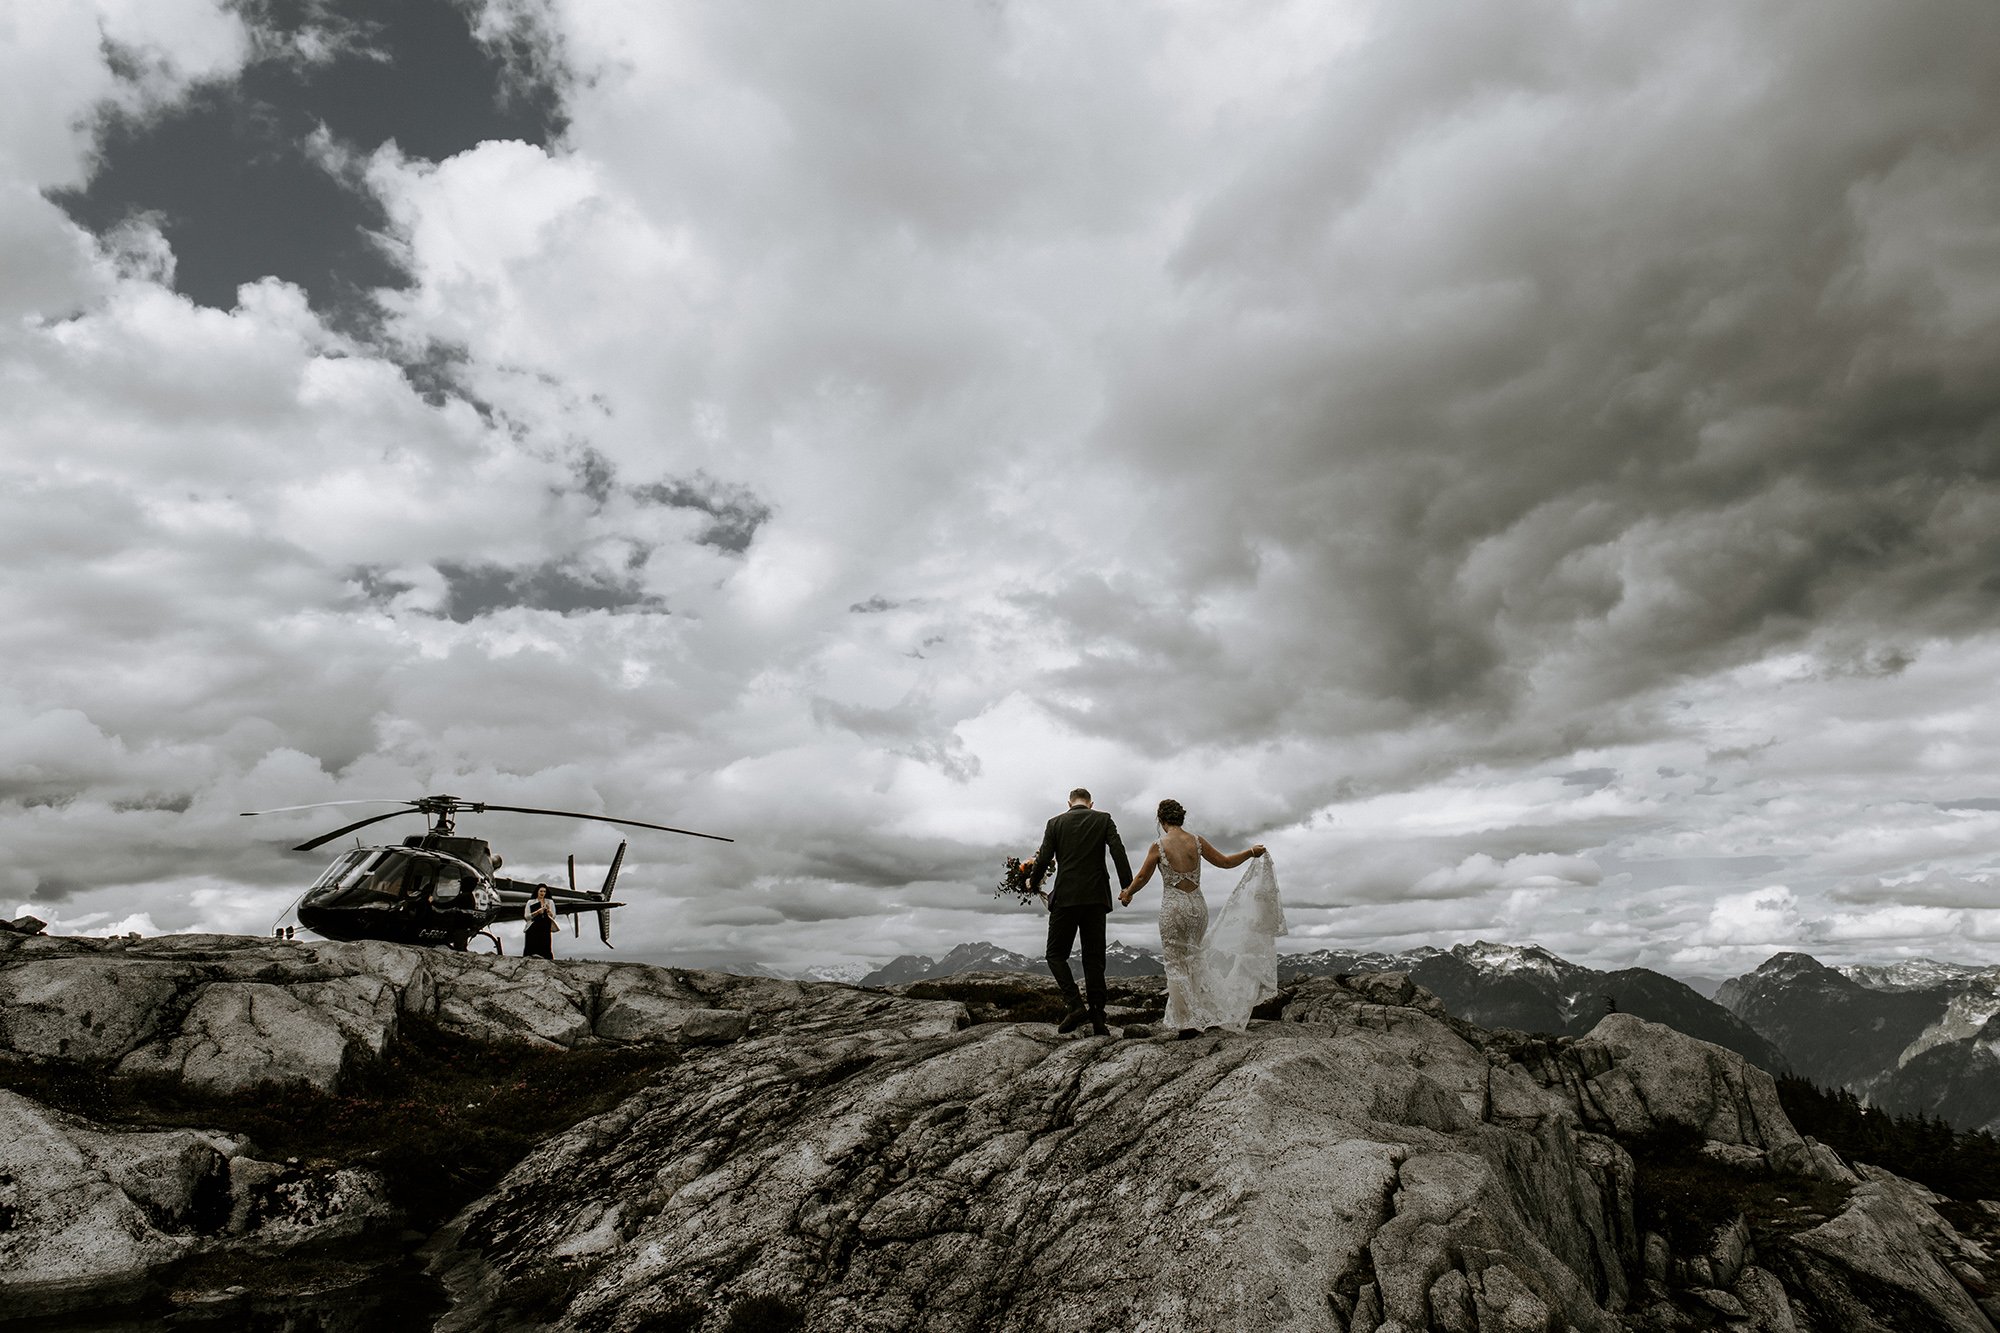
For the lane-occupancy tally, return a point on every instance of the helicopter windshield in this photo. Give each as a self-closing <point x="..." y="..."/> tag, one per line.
<point x="376" y="877"/>
<point x="350" y="867"/>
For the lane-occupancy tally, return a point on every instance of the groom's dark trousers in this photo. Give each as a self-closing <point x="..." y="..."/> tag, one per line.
<point x="1075" y="843"/>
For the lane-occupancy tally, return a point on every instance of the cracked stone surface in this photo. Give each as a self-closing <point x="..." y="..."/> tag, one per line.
<point x="1304" y="1175"/>
<point x="84" y="1208"/>
<point x="225" y="1013"/>
<point x="1364" y="1165"/>
<point x="1360" y="1162"/>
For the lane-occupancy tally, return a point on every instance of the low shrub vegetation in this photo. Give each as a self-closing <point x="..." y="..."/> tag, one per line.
<point x="1688" y="1196"/>
<point x="1917" y="1147"/>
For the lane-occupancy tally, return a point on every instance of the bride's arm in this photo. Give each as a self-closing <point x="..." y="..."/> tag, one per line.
<point x="1221" y="862"/>
<point x="1145" y="873"/>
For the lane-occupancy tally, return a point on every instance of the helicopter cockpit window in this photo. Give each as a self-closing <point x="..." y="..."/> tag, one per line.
<point x="350" y="867"/>
<point x="388" y="876"/>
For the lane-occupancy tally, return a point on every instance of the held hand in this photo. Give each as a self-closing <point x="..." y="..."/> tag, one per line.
<point x="1125" y="898"/>
<point x="1257" y="850"/>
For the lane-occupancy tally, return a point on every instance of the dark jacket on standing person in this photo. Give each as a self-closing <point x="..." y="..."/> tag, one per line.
<point x="1074" y="843"/>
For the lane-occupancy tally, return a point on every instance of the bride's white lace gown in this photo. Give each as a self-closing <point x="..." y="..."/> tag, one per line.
<point x="1217" y="973"/>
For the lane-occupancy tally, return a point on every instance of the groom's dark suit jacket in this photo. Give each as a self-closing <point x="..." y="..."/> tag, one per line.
<point x="1075" y="842"/>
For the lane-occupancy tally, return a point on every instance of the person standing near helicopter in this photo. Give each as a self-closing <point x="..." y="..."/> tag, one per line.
<point x="541" y="926"/>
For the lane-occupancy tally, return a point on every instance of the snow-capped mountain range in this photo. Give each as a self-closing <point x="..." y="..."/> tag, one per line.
<point x="1919" y="1034"/>
<point x="1519" y="986"/>
<point x="1916" y="974"/>
<point x="1120" y="960"/>
<point x="846" y="973"/>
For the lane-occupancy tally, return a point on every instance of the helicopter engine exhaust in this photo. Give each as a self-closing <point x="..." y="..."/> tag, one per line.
<point x="604" y="895"/>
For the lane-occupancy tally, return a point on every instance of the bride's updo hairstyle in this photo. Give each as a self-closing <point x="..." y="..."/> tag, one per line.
<point x="1171" y="812"/>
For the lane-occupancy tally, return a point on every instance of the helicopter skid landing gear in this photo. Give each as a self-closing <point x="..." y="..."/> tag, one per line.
<point x="498" y="948"/>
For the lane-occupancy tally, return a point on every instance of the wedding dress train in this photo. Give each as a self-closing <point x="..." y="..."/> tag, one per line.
<point x="1218" y="972"/>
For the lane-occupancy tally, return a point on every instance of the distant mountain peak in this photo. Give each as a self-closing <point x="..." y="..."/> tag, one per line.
<point x="1488" y="956"/>
<point x="1791" y="964"/>
<point x="1120" y="959"/>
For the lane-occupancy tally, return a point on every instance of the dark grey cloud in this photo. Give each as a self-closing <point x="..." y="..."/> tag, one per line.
<point x="476" y="590"/>
<point x="438" y="372"/>
<point x="379" y="585"/>
<point x="1648" y="401"/>
<point x="735" y="511"/>
<point x="237" y="171"/>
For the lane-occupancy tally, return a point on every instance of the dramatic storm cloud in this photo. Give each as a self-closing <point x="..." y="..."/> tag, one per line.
<point x="1534" y="465"/>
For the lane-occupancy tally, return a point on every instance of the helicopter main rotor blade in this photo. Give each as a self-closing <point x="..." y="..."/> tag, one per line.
<point x="316" y="805"/>
<point x="349" y="828"/>
<point x="607" y="819"/>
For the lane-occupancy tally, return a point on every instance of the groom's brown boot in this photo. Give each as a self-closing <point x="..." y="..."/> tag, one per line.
<point x="1098" y="1027"/>
<point x="1073" y="1020"/>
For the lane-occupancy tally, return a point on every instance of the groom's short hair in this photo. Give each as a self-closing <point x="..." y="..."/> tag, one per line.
<point x="1079" y="794"/>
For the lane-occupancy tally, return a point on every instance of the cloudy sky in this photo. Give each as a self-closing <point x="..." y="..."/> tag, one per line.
<point x="1532" y="465"/>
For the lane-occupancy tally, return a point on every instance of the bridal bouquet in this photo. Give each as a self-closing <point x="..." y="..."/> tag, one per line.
<point x="1014" y="882"/>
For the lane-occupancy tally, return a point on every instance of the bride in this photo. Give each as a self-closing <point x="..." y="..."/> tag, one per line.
<point x="1214" y="977"/>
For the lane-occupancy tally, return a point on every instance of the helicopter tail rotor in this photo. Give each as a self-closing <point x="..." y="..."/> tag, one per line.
<point x="611" y="875"/>
<point x="604" y="895"/>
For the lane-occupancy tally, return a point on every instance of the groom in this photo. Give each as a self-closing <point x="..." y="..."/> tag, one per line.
<point x="1075" y="842"/>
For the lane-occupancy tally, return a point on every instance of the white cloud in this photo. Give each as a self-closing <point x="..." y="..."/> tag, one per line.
<point x="1530" y="871"/>
<point x="1521" y="465"/>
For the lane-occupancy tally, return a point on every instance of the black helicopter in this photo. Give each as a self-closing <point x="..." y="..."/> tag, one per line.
<point x="438" y="887"/>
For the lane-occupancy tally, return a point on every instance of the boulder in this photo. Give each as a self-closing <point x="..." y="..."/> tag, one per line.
<point x="1882" y="1263"/>
<point x="225" y="1013"/>
<point x="650" y="1004"/>
<point x="516" y="999"/>
<point x="238" y="1035"/>
<point x="1630" y="1077"/>
<point x="86" y="1213"/>
<point x="1765" y="1304"/>
<point x="81" y="1008"/>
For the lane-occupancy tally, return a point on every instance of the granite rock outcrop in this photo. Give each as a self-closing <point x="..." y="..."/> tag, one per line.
<point x="1364" y="1164"/>
<point x="834" y="1157"/>
<point x="88" y="1211"/>
<point x="224" y="1013"/>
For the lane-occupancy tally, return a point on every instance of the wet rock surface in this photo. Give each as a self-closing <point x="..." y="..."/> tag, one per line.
<point x="820" y="1156"/>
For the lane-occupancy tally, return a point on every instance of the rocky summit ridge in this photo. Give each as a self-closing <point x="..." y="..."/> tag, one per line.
<point x="819" y="1156"/>
<point x="1523" y="987"/>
